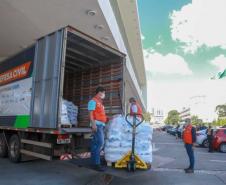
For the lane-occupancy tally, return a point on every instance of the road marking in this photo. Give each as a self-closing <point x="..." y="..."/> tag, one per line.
<point x="154" y="149"/>
<point x="207" y="153"/>
<point x="169" y="144"/>
<point x="160" y="161"/>
<point x="209" y="172"/>
<point x="219" y="161"/>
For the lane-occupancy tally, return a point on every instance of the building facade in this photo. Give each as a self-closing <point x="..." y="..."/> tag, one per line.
<point x="157" y="116"/>
<point x="185" y="114"/>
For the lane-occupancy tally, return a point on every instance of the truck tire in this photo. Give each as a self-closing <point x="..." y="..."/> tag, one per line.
<point x="14" y="149"/>
<point x="223" y="147"/>
<point x="3" y="146"/>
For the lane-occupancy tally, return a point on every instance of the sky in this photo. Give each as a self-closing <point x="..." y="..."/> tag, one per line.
<point x="184" y="45"/>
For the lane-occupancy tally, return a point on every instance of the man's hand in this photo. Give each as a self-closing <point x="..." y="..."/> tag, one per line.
<point x="108" y="119"/>
<point x="94" y="127"/>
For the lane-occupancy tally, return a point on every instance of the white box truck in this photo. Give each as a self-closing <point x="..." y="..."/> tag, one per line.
<point x="66" y="64"/>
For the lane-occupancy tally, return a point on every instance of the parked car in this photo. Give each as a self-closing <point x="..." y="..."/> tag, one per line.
<point x="201" y="138"/>
<point x="166" y="127"/>
<point x="219" y="141"/>
<point x="180" y="131"/>
<point x="172" y="131"/>
<point x="199" y="128"/>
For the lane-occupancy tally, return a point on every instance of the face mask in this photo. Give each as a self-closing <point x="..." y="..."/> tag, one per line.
<point x="102" y="96"/>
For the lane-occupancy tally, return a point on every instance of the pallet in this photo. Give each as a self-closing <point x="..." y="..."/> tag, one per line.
<point x="65" y="126"/>
<point x="110" y="164"/>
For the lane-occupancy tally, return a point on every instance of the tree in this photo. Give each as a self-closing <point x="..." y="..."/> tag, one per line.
<point x="221" y="111"/>
<point x="172" y="118"/>
<point x="147" y="116"/>
<point x="219" y="122"/>
<point x="196" y="120"/>
<point x="166" y="121"/>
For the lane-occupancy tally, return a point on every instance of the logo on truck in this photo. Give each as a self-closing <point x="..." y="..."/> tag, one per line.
<point x="16" y="73"/>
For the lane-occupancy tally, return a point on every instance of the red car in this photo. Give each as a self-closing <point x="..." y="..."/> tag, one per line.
<point x="219" y="141"/>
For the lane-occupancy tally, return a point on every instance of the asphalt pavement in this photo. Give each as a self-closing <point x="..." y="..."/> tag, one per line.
<point x="169" y="160"/>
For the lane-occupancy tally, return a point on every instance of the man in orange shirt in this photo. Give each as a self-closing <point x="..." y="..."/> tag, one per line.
<point x="98" y="120"/>
<point x="189" y="138"/>
<point x="135" y="108"/>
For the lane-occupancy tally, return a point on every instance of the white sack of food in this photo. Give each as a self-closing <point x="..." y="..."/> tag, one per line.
<point x="119" y="139"/>
<point x="69" y="113"/>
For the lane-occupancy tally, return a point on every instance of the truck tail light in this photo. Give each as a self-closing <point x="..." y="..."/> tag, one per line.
<point x="63" y="139"/>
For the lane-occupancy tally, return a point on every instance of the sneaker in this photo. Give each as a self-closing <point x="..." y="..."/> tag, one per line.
<point x="189" y="171"/>
<point x="186" y="169"/>
<point x="99" y="168"/>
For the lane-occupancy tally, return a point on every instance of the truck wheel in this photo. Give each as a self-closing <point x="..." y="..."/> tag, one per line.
<point x="205" y="143"/>
<point x="3" y="147"/>
<point x="223" y="147"/>
<point x="14" y="149"/>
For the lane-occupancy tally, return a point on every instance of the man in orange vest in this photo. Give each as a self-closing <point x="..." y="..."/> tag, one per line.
<point x="98" y="120"/>
<point x="189" y="138"/>
<point x="135" y="108"/>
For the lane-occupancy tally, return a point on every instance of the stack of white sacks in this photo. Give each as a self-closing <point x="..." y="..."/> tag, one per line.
<point x="119" y="140"/>
<point x="69" y="113"/>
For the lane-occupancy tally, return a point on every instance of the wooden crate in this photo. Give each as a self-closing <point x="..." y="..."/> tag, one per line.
<point x="80" y="87"/>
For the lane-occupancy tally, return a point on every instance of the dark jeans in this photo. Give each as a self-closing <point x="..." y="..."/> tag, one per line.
<point x="97" y="144"/>
<point x="210" y="141"/>
<point x="190" y="153"/>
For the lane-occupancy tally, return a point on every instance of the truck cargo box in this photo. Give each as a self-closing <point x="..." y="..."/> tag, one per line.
<point x="66" y="64"/>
